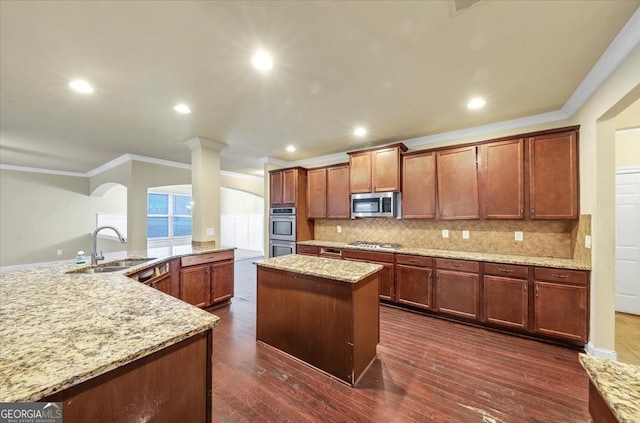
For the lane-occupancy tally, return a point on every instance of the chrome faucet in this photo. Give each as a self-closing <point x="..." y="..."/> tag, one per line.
<point x="94" y="243"/>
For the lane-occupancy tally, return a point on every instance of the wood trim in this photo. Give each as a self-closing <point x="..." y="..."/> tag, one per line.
<point x="598" y="407"/>
<point x="399" y="145"/>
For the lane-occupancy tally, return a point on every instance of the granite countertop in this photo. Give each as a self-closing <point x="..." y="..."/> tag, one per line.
<point x="559" y="263"/>
<point x="345" y="271"/>
<point x="59" y="329"/>
<point x="619" y="384"/>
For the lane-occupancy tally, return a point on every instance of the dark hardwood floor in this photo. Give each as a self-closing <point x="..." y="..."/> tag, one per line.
<point x="426" y="370"/>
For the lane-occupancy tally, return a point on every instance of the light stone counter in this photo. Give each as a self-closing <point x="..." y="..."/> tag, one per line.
<point x="59" y="329"/>
<point x="619" y="384"/>
<point x="465" y="255"/>
<point x="345" y="271"/>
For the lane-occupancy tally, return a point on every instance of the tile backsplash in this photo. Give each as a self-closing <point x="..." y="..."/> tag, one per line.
<point x="557" y="239"/>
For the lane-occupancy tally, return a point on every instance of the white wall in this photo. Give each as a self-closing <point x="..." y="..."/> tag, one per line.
<point x="241" y="220"/>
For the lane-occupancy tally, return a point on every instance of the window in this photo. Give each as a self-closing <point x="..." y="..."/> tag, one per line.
<point x="168" y="215"/>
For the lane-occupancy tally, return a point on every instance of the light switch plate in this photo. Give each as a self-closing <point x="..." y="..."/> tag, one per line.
<point x="519" y="235"/>
<point x="339" y="229"/>
<point x="465" y="234"/>
<point x="587" y="241"/>
<point x="211" y="232"/>
<point x="445" y="233"/>
<point x="59" y="252"/>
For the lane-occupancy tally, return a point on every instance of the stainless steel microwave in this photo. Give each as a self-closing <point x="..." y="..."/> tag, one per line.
<point x="378" y="204"/>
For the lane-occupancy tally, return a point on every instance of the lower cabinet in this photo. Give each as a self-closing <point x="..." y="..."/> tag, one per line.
<point x="207" y="279"/>
<point x="506" y="296"/>
<point x="457" y="288"/>
<point x="414" y="281"/>
<point x="386" y="275"/>
<point x="307" y="250"/>
<point x="560" y="306"/>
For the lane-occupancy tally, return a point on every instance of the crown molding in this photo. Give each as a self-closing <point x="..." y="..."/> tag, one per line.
<point x="241" y="175"/>
<point x="272" y="160"/>
<point x="109" y="165"/>
<point x="201" y="142"/>
<point x="39" y="170"/>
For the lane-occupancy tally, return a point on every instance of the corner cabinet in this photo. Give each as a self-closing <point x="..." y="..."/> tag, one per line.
<point x="375" y="170"/>
<point x="419" y="186"/>
<point x="553" y="176"/>
<point x="328" y="192"/>
<point x="458" y="183"/>
<point x="207" y="279"/>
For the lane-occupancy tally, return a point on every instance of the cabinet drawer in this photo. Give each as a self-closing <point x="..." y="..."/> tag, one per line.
<point x="311" y="250"/>
<point x="506" y="270"/>
<point x="460" y="265"/>
<point x="334" y="253"/>
<point x="368" y="255"/>
<point x="414" y="260"/>
<point x="561" y="275"/>
<point x="206" y="258"/>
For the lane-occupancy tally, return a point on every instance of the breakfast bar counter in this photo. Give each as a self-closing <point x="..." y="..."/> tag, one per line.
<point x="322" y="311"/>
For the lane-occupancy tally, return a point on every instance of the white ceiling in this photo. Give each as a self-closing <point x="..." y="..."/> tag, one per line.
<point x="401" y="68"/>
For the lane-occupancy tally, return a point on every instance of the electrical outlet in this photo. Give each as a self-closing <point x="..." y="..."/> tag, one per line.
<point x="519" y="235"/>
<point x="339" y="229"/>
<point x="59" y="252"/>
<point x="465" y="234"/>
<point x="211" y="232"/>
<point x="445" y="233"/>
<point x="587" y="241"/>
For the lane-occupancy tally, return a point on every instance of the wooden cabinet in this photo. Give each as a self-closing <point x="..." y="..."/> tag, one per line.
<point x="419" y="186"/>
<point x="386" y="275"/>
<point x="413" y="280"/>
<point x="307" y="250"/>
<point x="506" y="297"/>
<point x="553" y="176"/>
<point x="457" y="288"/>
<point x="284" y="186"/>
<point x="164" y="276"/>
<point x="458" y="183"/>
<point x="375" y="170"/>
<point x="560" y="307"/>
<point x="328" y="192"/>
<point x="207" y="279"/>
<point x="502" y="179"/>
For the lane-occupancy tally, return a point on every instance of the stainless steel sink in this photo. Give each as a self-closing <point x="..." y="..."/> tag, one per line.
<point x="114" y="266"/>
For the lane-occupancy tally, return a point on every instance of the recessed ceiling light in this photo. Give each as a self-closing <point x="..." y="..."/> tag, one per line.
<point x="262" y="60"/>
<point x="291" y="149"/>
<point x="476" y="103"/>
<point x="360" y="132"/>
<point x="81" y="86"/>
<point x="182" y="108"/>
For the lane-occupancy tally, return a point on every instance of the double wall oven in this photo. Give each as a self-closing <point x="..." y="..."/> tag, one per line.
<point x="282" y="231"/>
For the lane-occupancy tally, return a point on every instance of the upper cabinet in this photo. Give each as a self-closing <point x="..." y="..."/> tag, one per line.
<point x="328" y="192"/>
<point x="419" y="185"/>
<point x="375" y="170"/>
<point x="283" y="187"/>
<point x="457" y="176"/>
<point x="553" y="176"/>
<point x="501" y="173"/>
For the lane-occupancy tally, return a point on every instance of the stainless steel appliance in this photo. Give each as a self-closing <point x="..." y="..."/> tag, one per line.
<point x="378" y="204"/>
<point x="375" y="245"/>
<point x="282" y="231"/>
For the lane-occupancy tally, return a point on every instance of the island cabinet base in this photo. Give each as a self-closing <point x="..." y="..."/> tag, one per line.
<point x="598" y="408"/>
<point x="171" y="385"/>
<point x="329" y="324"/>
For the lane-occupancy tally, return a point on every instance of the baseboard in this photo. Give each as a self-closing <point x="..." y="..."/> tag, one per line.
<point x="600" y="352"/>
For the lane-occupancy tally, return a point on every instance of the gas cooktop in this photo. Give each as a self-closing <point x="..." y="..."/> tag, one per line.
<point x="375" y="245"/>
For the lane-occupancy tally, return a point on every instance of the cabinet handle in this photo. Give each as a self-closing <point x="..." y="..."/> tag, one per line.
<point x="533" y="211"/>
<point x="457" y="265"/>
<point x="438" y="276"/>
<point x="505" y="270"/>
<point x="429" y="277"/>
<point x="525" y="288"/>
<point x="537" y="292"/>
<point x="521" y="211"/>
<point x="555" y="275"/>
<point x="413" y="260"/>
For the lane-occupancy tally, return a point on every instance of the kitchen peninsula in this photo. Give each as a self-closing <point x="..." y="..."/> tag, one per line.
<point x="107" y="346"/>
<point x="321" y="311"/>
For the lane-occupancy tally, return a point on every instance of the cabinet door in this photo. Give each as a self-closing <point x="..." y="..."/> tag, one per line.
<point x="222" y="282"/>
<point x="560" y="310"/>
<point x="553" y="176"/>
<point x="360" y="172"/>
<point x="386" y="170"/>
<point x="338" y="200"/>
<point x="317" y="194"/>
<point x="414" y="285"/>
<point x="458" y="183"/>
<point x="502" y="181"/>
<point x="506" y="301"/>
<point x="457" y="293"/>
<point x="419" y="186"/>
<point x="385" y="285"/>
<point x="195" y="285"/>
<point x="289" y="186"/>
<point x="275" y="188"/>
<point x="163" y="284"/>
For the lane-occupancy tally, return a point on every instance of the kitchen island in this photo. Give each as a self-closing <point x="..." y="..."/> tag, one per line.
<point x="321" y="311"/>
<point x="108" y="347"/>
